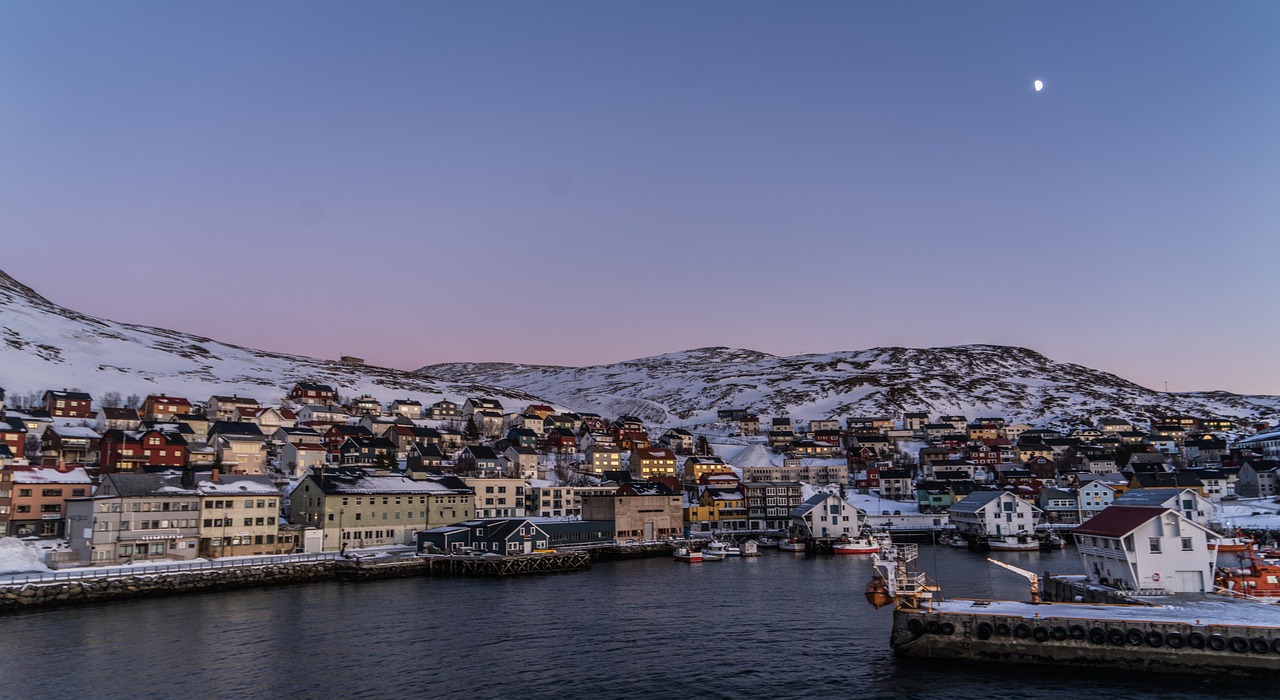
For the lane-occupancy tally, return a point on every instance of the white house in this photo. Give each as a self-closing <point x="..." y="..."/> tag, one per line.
<point x="994" y="513"/>
<point x="1146" y="549"/>
<point x="1190" y="504"/>
<point x="826" y="515"/>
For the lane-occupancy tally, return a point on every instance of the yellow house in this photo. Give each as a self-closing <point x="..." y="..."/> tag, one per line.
<point x="355" y="508"/>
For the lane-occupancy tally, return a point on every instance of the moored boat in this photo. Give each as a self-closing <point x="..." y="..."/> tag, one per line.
<point x="1013" y="543"/>
<point x="687" y="555"/>
<point x="956" y="540"/>
<point x="724" y="548"/>
<point x="1256" y="578"/>
<point x="791" y="544"/>
<point x="712" y="556"/>
<point x="1053" y="541"/>
<point x="862" y="544"/>
<point x="1231" y="544"/>
<point x="767" y="543"/>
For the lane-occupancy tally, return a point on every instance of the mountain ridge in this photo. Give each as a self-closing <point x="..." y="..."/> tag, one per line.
<point x="48" y="346"/>
<point x="1016" y="382"/>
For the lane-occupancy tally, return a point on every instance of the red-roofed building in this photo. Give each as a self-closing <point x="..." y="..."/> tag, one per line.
<point x="1153" y="550"/>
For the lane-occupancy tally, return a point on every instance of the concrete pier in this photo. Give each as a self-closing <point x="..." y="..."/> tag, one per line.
<point x="1140" y="638"/>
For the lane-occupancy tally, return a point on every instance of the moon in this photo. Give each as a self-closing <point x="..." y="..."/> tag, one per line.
<point x="1039" y="86"/>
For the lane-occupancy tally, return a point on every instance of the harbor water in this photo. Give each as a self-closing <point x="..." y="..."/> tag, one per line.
<point x="776" y="626"/>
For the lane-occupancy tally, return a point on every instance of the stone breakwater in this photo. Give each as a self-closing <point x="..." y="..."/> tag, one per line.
<point x="127" y="586"/>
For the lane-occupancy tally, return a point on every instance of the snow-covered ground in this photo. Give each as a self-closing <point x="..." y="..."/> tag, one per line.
<point x="18" y="557"/>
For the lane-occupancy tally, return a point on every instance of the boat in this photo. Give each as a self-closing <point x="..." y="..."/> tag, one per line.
<point x="1013" y="543"/>
<point x="767" y="543"/>
<point x="750" y="548"/>
<point x="712" y="556"/>
<point x="791" y="544"/>
<point x="718" y="547"/>
<point x="1231" y="544"/>
<point x="1053" y="541"/>
<point x="884" y="538"/>
<point x="1255" y="578"/>
<point x="687" y="555"/>
<point x="956" y="540"/>
<point x="862" y="544"/>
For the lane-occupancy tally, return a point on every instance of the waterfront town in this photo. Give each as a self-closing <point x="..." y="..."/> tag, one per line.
<point x="112" y="480"/>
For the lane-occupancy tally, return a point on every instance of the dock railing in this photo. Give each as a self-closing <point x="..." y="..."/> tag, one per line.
<point x="108" y="572"/>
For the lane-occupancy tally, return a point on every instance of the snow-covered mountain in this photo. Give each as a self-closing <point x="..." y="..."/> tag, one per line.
<point x="974" y="380"/>
<point x="46" y="346"/>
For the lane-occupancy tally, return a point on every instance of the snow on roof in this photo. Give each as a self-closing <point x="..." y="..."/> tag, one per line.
<point x="236" y="484"/>
<point x="77" y="432"/>
<point x="49" y="475"/>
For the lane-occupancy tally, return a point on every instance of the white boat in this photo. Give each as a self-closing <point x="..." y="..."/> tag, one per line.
<point x="955" y="540"/>
<point x="718" y="547"/>
<point x="767" y="543"/>
<point x="862" y="544"/>
<point x="1053" y="541"/>
<point x="712" y="556"/>
<point x="1013" y="543"/>
<point x="791" y="544"/>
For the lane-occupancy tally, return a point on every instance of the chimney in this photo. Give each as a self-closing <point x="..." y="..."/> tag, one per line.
<point x="213" y="476"/>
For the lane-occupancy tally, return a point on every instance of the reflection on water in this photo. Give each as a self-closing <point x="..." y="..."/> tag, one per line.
<point x="776" y="626"/>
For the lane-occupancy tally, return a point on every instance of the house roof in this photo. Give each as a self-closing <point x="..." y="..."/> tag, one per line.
<point x="809" y="504"/>
<point x="481" y="452"/>
<point x="73" y="395"/>
<point x="239" y="400"/>
<point x="130" y="414"/>
<point x="977" y="501"/>
<point x="1118" y="521"/>
<point x="149" y="485"/>
<point x="1151" y="497"/>
<point x="49" y="475"/>
<point x="229" y="428"/>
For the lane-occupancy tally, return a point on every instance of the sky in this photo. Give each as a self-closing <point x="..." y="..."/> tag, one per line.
<point x="582" y="182"/>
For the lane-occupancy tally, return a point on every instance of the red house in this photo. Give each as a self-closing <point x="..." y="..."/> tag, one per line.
<point x="68" y="404"/>
<point x="338" y="434"/>
<point x="128" y="451"/>
<point x="314" y="394"/>
<point x="13" y="434"/>
<point x="561" y="441"/>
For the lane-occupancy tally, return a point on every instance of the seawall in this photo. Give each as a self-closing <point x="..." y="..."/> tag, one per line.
<point x="124" y="586"/>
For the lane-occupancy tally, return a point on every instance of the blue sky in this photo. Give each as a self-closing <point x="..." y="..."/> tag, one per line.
<point x="583" y="182"/>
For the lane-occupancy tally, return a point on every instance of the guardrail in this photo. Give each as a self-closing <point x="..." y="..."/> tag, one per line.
<point x="177" y="567"/>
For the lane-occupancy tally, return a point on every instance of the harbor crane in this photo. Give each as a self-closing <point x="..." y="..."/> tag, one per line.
<point x="1035" y="580"/>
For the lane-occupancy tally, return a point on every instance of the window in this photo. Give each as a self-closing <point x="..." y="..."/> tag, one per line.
<point x="248" y="522"/>
<point x="1186" y="544"/>
<point x="51" y="492"/>
<point x="1154" y="543"/>
<point x="24" y="492"/>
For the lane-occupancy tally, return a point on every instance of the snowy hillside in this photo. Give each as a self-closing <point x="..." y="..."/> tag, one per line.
<point x="688" y="387"/>
<point x="46" y="346"/>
